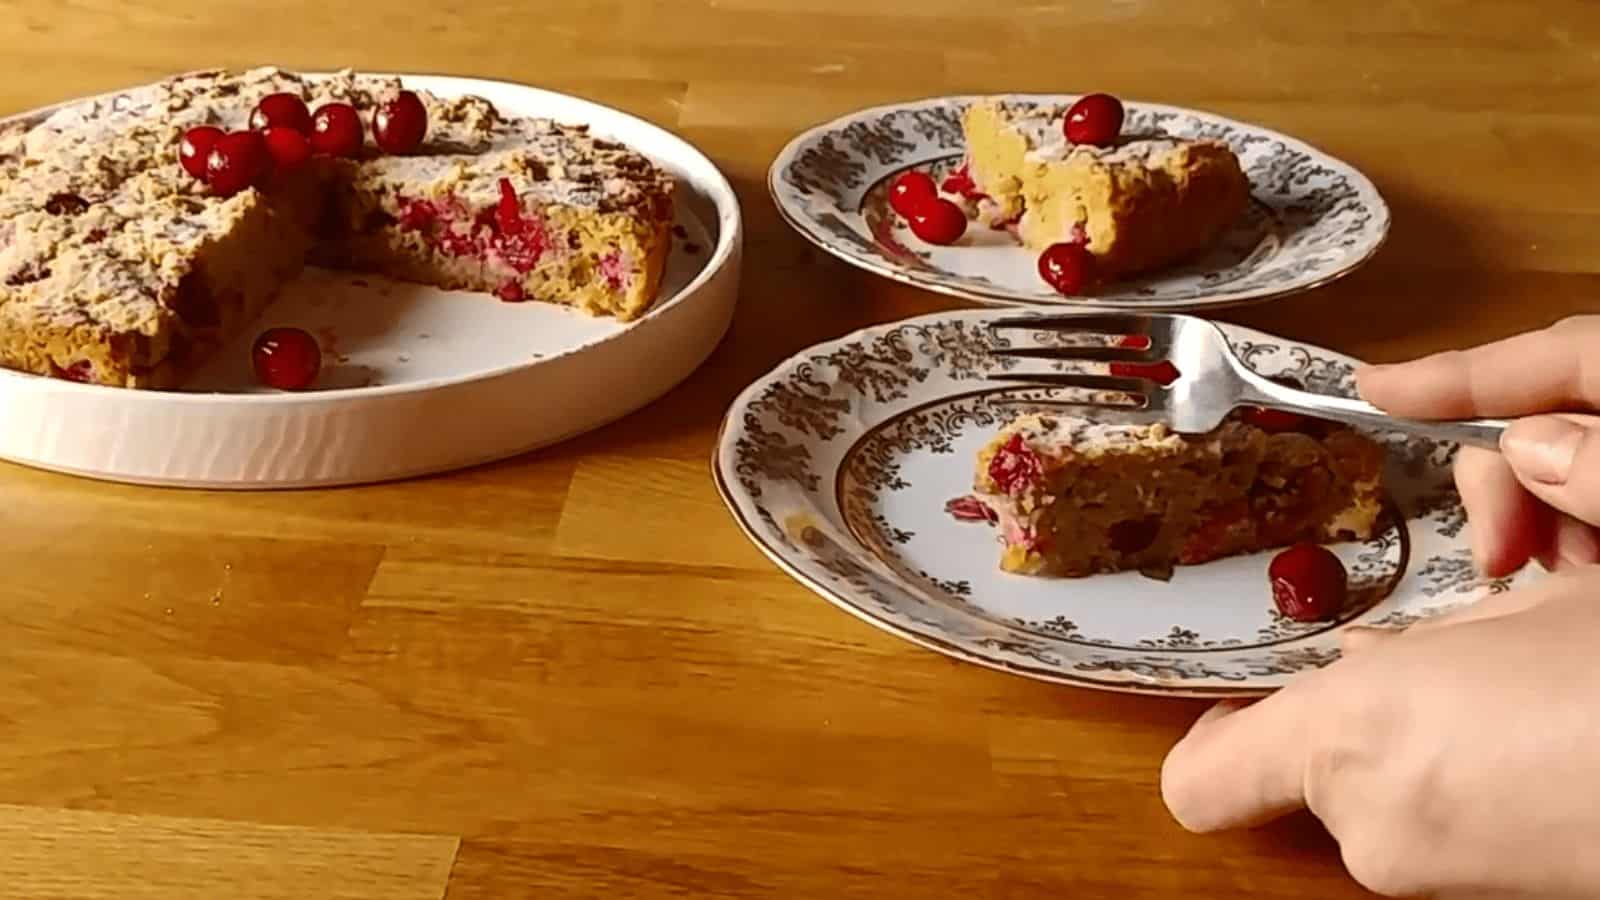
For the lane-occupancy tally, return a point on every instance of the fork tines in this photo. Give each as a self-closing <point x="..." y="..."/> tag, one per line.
<point x="1106" y="327"/>
<point x="1102" y="326"/>
<point x="1083" y="381"/>
<point x="1103" y="323"/>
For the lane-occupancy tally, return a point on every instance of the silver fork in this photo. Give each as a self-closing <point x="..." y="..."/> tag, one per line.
<point x="1212" y="381"/>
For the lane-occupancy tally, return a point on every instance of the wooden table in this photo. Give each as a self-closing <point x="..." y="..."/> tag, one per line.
<point x="568" y="674"/>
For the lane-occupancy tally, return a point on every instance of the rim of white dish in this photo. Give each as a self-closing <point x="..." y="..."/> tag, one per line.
<point x="1221" y="300"/>
<point x="835" y="598"/>
<point x="729" y="224"/>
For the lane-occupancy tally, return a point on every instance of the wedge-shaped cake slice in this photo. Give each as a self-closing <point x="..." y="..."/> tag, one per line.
<point x="1073" y="498"/>
<point x="1147" y="202"/>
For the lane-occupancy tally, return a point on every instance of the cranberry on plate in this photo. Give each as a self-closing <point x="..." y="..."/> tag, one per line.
<point x="938" y="222"/>
<point x="1309" y="583"/>
<point x="911" y="191"/>
<point x="1275" y="421"/>
<point x="1095" y="119"/>
<point x="1162" y="371"/>
<point x="1279" y="421"/>
<point x="286" y="358"/>
<point x="1067" y="267"/>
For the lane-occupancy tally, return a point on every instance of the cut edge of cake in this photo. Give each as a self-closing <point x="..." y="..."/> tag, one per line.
<point x="1072" y="498"/>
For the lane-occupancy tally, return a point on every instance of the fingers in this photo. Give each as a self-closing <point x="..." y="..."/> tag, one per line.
<point x="1509" y="525"/>
<point x="1557" y="458"/>
<point x="1361" y="638"/>
<point x="1493" y="606"/>
<point x="1241" y="765"/>
<point x="1537" y="372"/>
<point x="1576" y="543"/>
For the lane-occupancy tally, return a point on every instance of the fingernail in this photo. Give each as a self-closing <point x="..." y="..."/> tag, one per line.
<point x="1542" y="448"/>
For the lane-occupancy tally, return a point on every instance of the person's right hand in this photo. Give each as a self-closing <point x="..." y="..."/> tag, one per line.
<point x="1539" y="498"/>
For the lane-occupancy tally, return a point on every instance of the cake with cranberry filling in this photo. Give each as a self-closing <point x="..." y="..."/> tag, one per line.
<point x="1138" y="203"/>
<point x="119" y="267"/>
<point x="1071" y="497"/>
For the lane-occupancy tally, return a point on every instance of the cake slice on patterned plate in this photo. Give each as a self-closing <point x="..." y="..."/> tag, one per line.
<point x="1139" y="202"/>
<point x="1072" y="498"/>
<point x="124" y="262"/>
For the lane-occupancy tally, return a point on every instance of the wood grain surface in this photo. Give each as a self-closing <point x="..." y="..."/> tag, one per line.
<point x="568" y="675"/>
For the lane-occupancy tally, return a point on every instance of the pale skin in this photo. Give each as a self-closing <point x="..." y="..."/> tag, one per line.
<point x="1461" y="757"/>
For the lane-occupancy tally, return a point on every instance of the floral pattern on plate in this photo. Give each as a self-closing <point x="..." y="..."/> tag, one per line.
<point x="838" y="465"/>
<point x="1312" y="218"/>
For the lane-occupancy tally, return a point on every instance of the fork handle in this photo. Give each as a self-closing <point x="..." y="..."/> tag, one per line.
<point x="1484" y="433"/>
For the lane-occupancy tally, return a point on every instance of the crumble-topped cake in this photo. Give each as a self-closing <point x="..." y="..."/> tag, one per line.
<point x="119" y="267"/>
<point x="1071" y="498"/>
<point x="1139" y="202"/>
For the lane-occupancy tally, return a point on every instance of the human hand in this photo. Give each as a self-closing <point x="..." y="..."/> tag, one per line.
<point x="1539" y="498"/>
<point x="1457" y="759"/>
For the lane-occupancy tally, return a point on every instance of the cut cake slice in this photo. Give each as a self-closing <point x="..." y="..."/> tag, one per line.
<point x="1073" y="498"/>
<point x="1143" y="204"/>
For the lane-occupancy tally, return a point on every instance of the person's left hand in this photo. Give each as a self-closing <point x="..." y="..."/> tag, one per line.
<point x="1458" y="759"/>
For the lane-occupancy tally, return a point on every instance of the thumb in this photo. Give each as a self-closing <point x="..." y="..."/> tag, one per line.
<point x="1557" y="458"/>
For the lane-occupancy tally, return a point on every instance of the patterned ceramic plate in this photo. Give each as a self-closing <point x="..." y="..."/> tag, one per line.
<point x="1312" y="219"/>
<point x="838" y="465"/>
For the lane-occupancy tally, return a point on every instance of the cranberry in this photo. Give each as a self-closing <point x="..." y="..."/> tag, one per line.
<point x="400" y="123"/>
<point x="281" y="110"/>
<point x="1134" y="342"/>
<point x="959" y="181"/>
<point x="971" y="509"/>
<point x="508" y="212"/>
<point x="613" y="269"/>
<point x="939" y="222"/>
<point x="911" y="191"/>
<point x="1067" y="267"/>
<point x="1135" y="535"/>
<point x="1162" y="372"/>
<point x="417" y="215"/>
<point x="1275" y="421"/>
<point x="511" y="292"/>
<point x="81" y="371"/>
<point x="238" y="161"/>
<point x="1015" y="466"/>
<point x="286" y="358"/>
<point x="195" y="147"/>
<point x="288" y="148"/>
<point x="1308" y="583"/>
<point x="1094" y="119"/>
<point x="336" y="130"/>
<point x="519" y="241"/>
